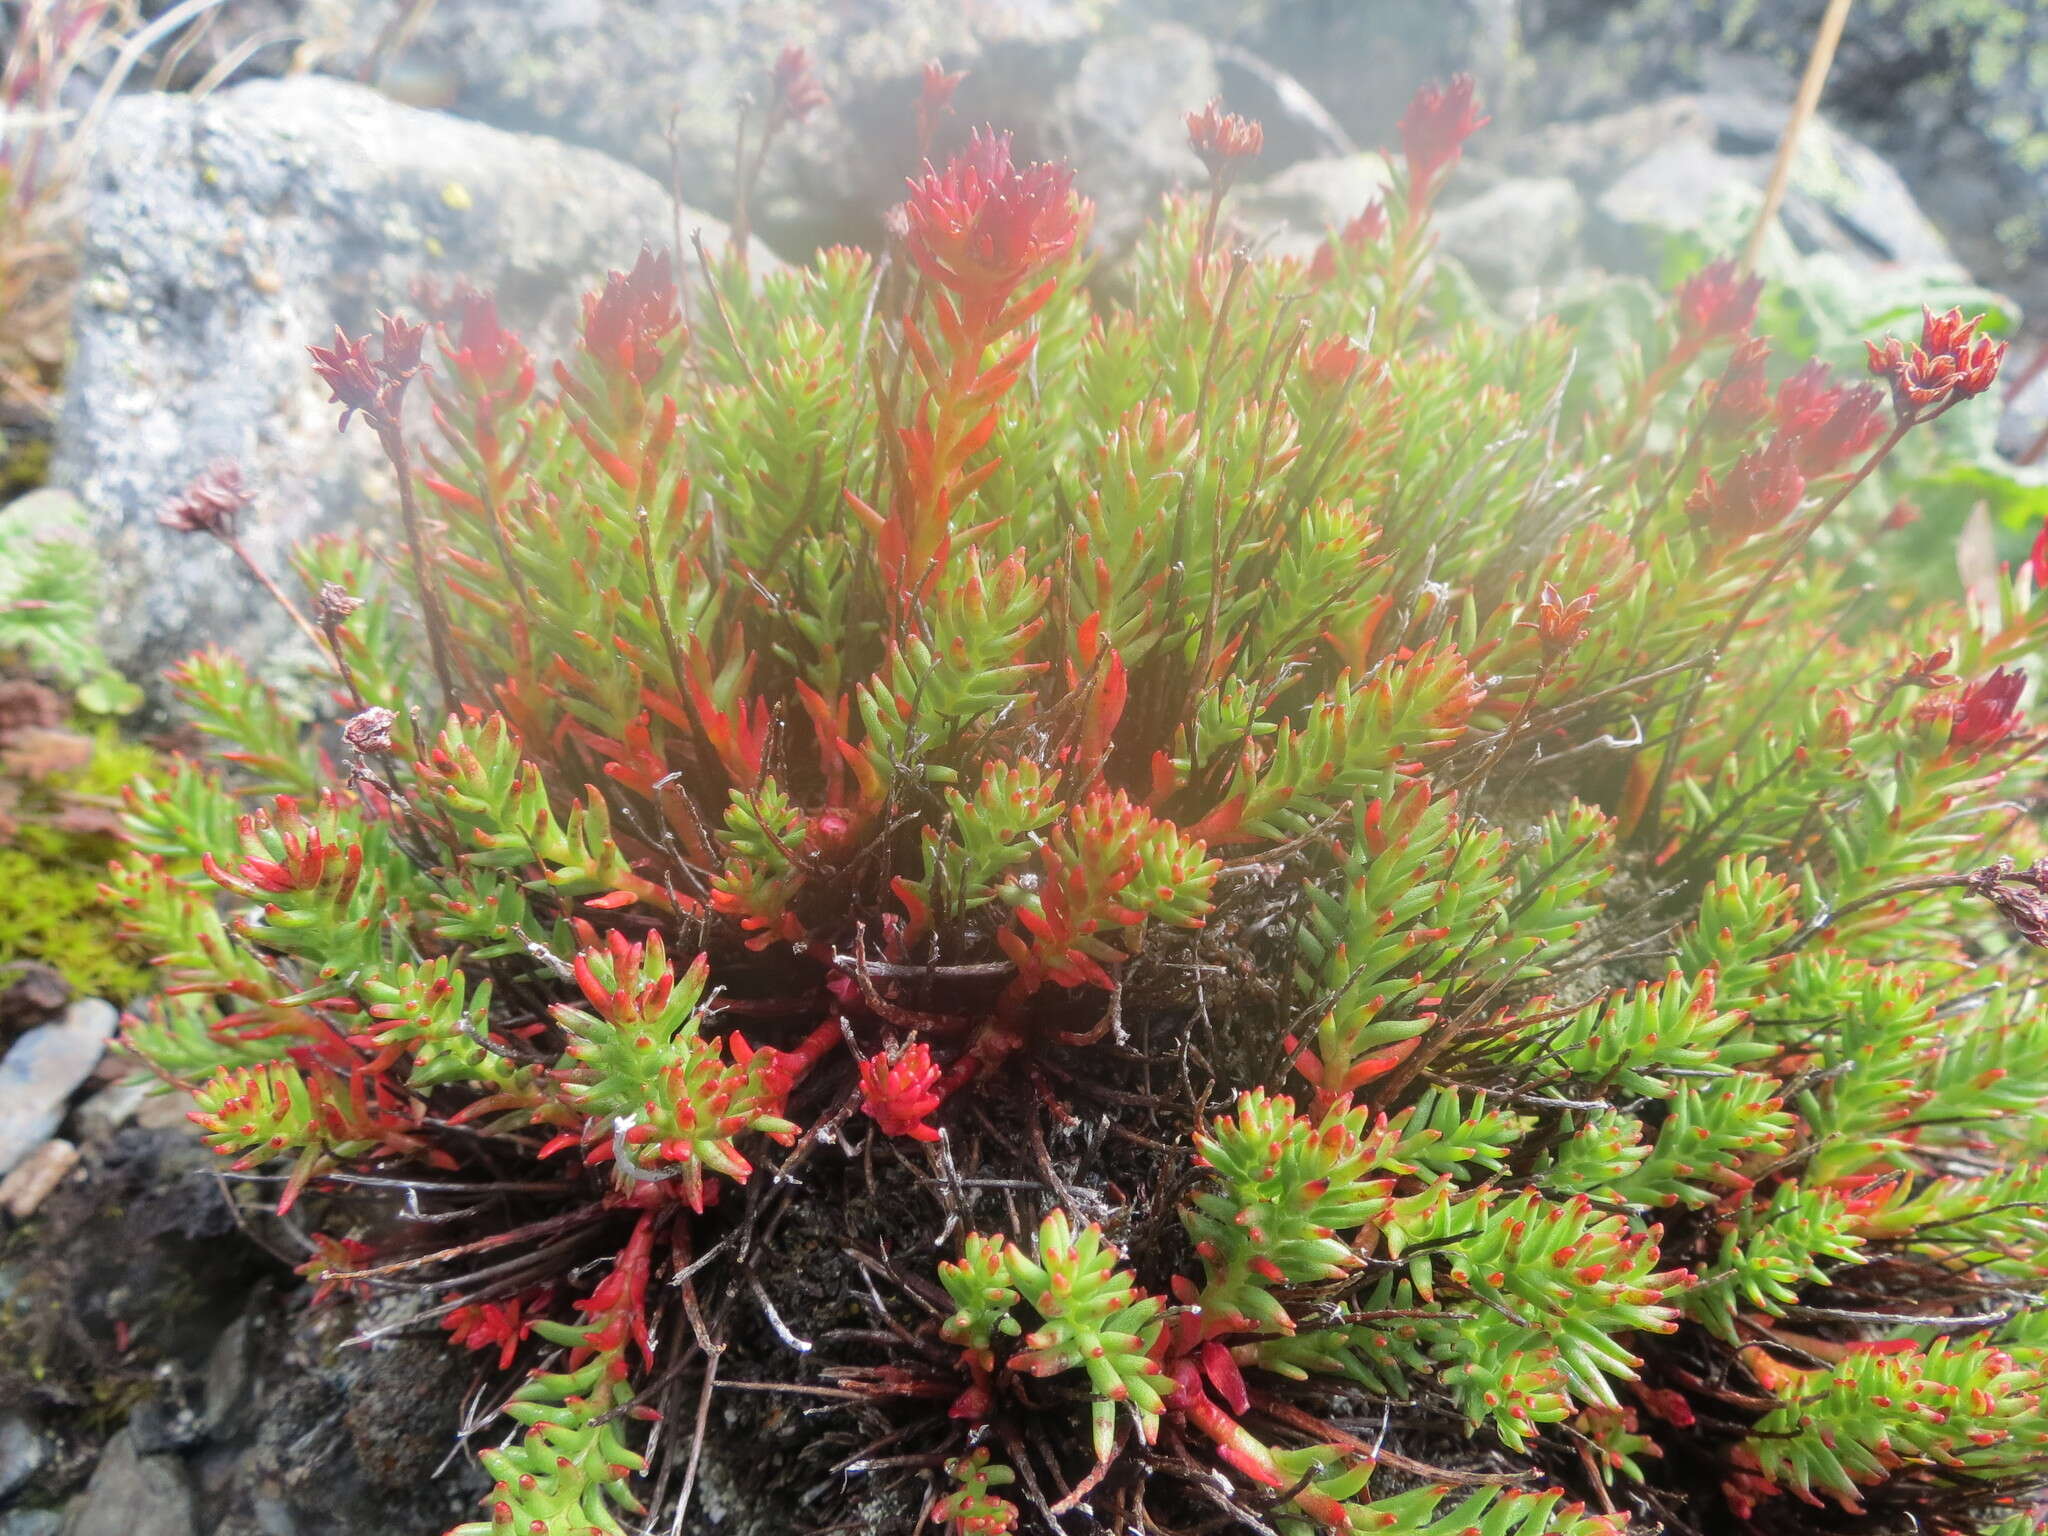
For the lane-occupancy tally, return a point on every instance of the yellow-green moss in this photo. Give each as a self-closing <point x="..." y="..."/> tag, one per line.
<point x="50" y="907"/>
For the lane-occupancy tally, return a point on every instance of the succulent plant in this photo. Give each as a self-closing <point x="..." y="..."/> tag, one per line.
<point x="1324" y="929"/>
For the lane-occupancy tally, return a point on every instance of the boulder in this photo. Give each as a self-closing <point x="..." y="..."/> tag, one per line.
<point x="42" y="1070"/>
<point x="1290" y="213"/>
<point x="661" y="85"/>
<point x="133" y="1495"/>
<point x="1519" y="232"/>
<point x="222" y="236"/>
<point x="1947" y="90"/>
<point x="1697" y="163"/>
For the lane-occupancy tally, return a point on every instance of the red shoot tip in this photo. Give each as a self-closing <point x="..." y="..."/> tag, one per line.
<point x="1439" y="119"/>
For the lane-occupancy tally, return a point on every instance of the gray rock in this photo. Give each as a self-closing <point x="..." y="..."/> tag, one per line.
<point x="133" y="1495"/>
<point x="1365" y="60"/>
<point x="1517" y="232"/>
<point x="1123" y="123"/>
<point x="1290" y="213"/>
<point x="1950" y="92"/>
<point x="1697" y="164"/>
<point x="224" y="235"/>
<point x="41" y="1071"/>
<point x="112" y="1107"/>
<point x="22" y="1453"/>
<point x="660" y="85"/>
<point x="31" y="1522"/>
<point x="2024" y="418"/>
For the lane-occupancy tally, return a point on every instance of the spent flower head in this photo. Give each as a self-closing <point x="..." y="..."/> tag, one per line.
<point x="369" y="730"/>
<point x="211" y="503"/>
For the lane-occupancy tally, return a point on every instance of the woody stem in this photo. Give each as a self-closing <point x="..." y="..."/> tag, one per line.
<point x="265" y="580"/>
<point x="392" y="436"/>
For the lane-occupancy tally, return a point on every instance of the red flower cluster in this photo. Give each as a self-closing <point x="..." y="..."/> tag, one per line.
<point x="374" y="386"/>
<point x="1434" y="129"/>
<point x="500" y="1324"/>
<point x="1951" y="363"/>
<point x="1828" y="424"/>
<point x="1762" y="488"/>
<point x="1716" y="303"/>
<point x="982" y="227"/>
<point x="1560" y="625"/>
<point x="1988" y="711"/>
<point x="1741" y="397"/>
<point x="211" y="503"/>
<point x="1223" y="141"/>
<point x="934" y="102"/>
<point x="1367" y="229"/>
<point x="897" y="1091"/>
<point x="1331" y="364"/>
<point x="624" y="326"/>
<point x="797" y="91"/>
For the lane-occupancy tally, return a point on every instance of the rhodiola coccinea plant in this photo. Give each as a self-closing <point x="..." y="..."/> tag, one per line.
<point x="1196" y="910"/>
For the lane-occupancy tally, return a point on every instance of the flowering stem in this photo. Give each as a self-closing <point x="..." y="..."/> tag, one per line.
<point x="269" y="585"/>
<point x="1674" y="746"/>
<point x="392" y="436"/>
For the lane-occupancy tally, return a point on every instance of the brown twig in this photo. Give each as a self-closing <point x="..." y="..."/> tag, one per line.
<point x="1817" y="64"/>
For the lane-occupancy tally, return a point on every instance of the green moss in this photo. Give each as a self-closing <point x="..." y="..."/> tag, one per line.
<point x="24" y="465"/>
<point x="50" y="907"/>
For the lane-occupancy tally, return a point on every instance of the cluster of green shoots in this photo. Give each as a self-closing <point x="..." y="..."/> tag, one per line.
<point x="1328" y="928"/>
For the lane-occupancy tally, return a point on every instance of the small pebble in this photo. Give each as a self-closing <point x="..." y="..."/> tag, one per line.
<point x="35" y="1176"/>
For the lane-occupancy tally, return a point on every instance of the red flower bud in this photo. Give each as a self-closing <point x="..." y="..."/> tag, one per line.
<point x="982" y="227"/>
<point x="797" y="91"/>
<point x="896" y="1091"/>
<point x="625" y="325"/>
<point x="1434" y="129"/>
<point x="1223" y="141"/>
<point x="1739" y="399"/>
<point x="1561" y="625"/>
<point x="1761" y="489"/>
<point x="1988" y="711"/>
<point x="1366" y="229"/>
<point x="1925" y="671"/>
<point x="1716" y="303"/>
<point x="1827" y="423"/>
<point x="935" y="101"/>
<point x="345" y="368"/>
<point x="1332" y="364"/>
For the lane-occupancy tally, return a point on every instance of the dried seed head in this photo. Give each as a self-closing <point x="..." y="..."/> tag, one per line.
<point x="211" y="503"/>
<point x="370" y="731"/>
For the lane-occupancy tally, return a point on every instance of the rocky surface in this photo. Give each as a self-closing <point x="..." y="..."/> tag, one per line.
<point x="42" y="1069"/>
<point x="222" y="236"/>
<point x="1948" y="91"/>
<point x="156" y="1379"/>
